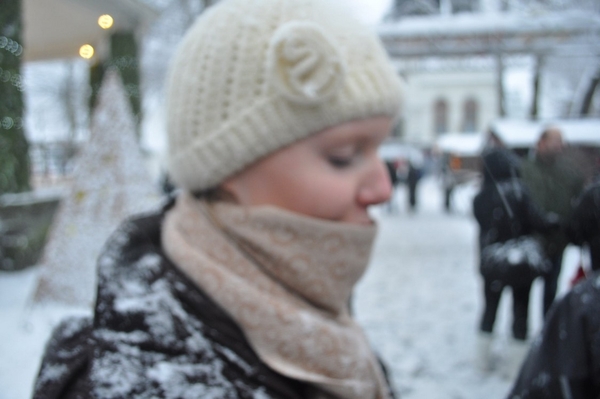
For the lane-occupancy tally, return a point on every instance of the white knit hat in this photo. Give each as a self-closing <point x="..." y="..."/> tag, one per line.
<point x="252" y="76"/>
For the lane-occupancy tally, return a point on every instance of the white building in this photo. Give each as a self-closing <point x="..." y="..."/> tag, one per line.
<point x="441" y="101"/>
<point x="454" y="54"/>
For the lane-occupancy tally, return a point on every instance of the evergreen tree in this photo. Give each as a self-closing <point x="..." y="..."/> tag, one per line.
<point x="14" y="156"/>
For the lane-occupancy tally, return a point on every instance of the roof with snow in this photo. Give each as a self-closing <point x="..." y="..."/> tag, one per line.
<point x="485" y="33"/>
<point x="461" y="144"/>
<point x="524" y="133"/>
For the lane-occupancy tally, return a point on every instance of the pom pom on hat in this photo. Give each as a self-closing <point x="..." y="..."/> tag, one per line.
<point x="253" y="76"/>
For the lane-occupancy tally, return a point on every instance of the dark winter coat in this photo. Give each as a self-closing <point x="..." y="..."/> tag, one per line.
<point x="554" y="183"/>
<point x="564" y="362"/>
<point x="154" y="335"/>
<point x="584" y="226"/>
<point x="413" y="176"/>
<point x="393" y="173"/>
<point x="499" y="221"/>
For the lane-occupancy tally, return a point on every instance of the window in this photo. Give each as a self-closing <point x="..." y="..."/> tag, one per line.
<point x="440" y="112"/>
<point x="470" y="115"/>
<point x="416" y="7"/>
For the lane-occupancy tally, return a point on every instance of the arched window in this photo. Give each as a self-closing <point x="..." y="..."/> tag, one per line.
<point x="470" y="115"/>
<point x="440" y="116"/>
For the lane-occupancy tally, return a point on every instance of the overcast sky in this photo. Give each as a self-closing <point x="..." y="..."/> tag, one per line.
<point x="370" y="11"/>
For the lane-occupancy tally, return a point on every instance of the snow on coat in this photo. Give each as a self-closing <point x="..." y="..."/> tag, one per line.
<point x="154" y="335"/>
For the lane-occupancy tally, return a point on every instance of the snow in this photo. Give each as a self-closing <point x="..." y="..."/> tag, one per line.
<point x="419" y="303"/>
<point x="421" y="299"/>
<point x="490" y="24"/>
<point x="524" y="133"/>
<point x="517" y="251"/>
<point x="23" y="332"/>
<point x="369" y="12"/>
<point x="468" y="144"/>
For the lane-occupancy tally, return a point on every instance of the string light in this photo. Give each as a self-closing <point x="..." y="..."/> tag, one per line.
<point x="11" y="46"/>
<point x="105" y="21"/>
<point x="86" y="51"/>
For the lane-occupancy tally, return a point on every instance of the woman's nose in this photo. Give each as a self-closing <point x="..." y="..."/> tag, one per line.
<point x="376" y="186"/>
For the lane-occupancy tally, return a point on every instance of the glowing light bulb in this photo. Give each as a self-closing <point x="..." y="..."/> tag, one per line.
<point x="86" y="51"/>
<point x="105" y="21"/>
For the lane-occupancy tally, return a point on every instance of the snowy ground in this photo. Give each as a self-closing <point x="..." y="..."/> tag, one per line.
<point x="421" y="299"/>
<point x="419" y="303"/>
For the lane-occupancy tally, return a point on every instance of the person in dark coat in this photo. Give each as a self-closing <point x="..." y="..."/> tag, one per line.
<point x="584" y="225"/>
<point x="555" y="182"/>
<point x="240" y="288"/>
<point x="393" y="172"/>
<point x="564" y="360"/>
<point x="504" y="211"/>
<point x="412" y="180"/>
<point x="391" y="167"/>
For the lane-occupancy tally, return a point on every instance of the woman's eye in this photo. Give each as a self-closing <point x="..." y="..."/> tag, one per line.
<point x="339" y="161"/>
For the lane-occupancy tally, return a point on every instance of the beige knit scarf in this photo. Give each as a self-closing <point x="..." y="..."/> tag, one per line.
<point x="286" y="280"/>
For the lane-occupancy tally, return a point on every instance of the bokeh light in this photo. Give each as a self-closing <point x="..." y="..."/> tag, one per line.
<point x="86" y="51"/>
<point x="105" y="21"/>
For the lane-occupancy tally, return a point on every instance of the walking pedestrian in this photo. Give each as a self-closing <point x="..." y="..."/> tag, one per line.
<point x="392" y="169"/>
<point x="240" y="287"/>
<point x="415" y="172"/>
<point x="555" y="182"/>
<point x="505" y="214"/>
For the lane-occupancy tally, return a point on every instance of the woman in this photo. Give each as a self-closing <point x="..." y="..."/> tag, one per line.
<point x="240" y="287"/>
<point x="504" y="212"/>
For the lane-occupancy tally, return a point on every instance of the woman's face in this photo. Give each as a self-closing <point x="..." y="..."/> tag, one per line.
<point x="334" y="174"/>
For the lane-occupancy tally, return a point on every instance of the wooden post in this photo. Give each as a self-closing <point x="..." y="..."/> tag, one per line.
<point x="500" y="84"/>
<point x="534" y="112"/>
<point x="589" y="94"/>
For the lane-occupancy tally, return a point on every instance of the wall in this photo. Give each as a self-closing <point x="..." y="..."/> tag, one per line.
<point x="424" y="88"/>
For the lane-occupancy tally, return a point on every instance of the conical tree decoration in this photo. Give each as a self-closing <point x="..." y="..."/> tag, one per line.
<point x="110" y="183"/>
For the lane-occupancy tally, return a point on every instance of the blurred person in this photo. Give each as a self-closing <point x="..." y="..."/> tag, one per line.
<point x="564" y="360"/>
<point x="448" y="182"/>
<point x="240" y="286"/>
<point x="392" y="169"/>
<point x="584" y="224"/>
<point x="555" y="182"/>
<point x="505" y="212"/>
<point x="415" y="172"/>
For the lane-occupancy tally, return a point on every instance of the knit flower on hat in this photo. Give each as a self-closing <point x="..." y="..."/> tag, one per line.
<point x="305" y="65"/>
